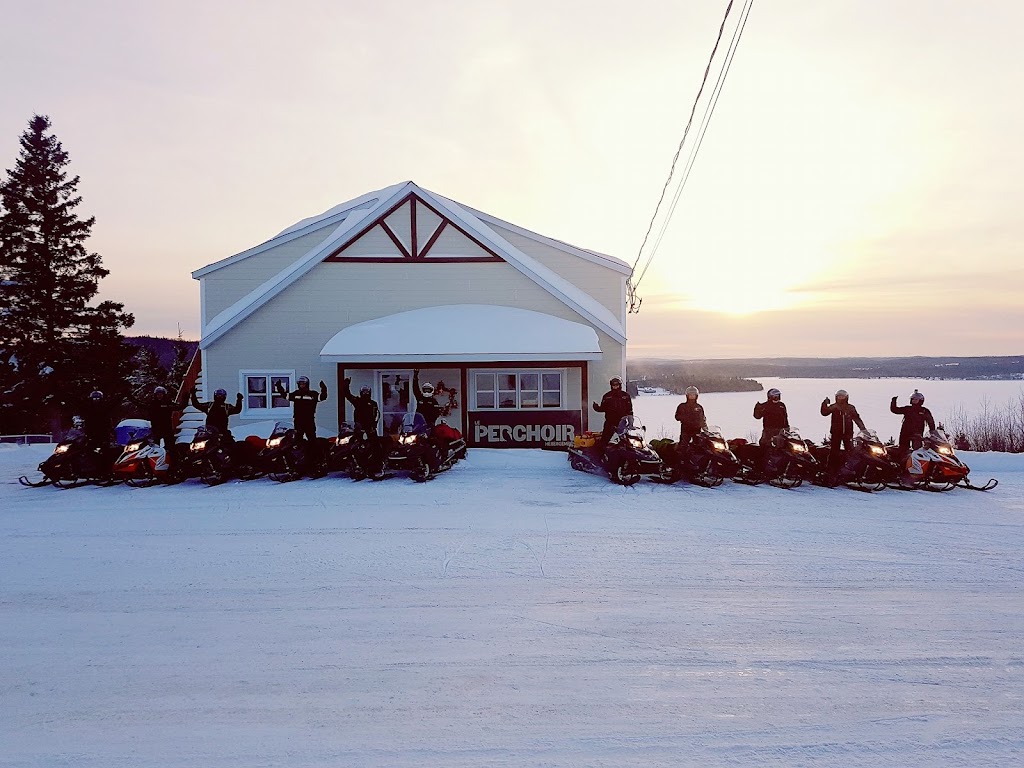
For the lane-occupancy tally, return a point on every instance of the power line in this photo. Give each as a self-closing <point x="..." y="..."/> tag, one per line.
<point x="631" y="285"/>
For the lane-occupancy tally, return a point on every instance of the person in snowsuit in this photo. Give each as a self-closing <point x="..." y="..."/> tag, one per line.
<point x="915" y="417"/>
<point x="159" y="411"/>
<point x="96" y="416"/>
<point x="775" y="421"/>
<point x="844" y="416"/>
<point x="775" y="418"/>
<point x="426" y="403"/>
<point x="219" y="411"/>
<point x="615" y="405"/>
<point x="365" y="415"/>
<point x="690" y="415"/>
<point x="304" y="401"/>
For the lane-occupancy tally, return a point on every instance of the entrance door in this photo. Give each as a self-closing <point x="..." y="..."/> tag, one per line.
<point x="395" y="389"/>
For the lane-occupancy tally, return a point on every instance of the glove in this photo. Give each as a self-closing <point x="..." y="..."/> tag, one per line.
<point x="596" y="405"/>
<point x="322" y="385"/>
<point x="827" y="401"/>
<point x="348" y="381"/>
<point x="238" y="397"/>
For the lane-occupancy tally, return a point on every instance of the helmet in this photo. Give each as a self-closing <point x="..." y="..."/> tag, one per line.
<point x="77" y="422"/>
<point x="303" y="380"/>
<point x="917" y="397"/>
<point x="691" y="390"/>
<point x="364" y="391"/>
<point x="427" y="389"/>
<point x="842" y="394"/>
<point x="774" y="394"/>
<point x="615" y="380"/>
<point x="95" y="395"/>
<point x="220" y="394"/>
<point x="159" y="390"/>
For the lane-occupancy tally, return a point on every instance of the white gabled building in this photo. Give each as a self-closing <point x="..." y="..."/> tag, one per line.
<point x="519" y="332"/>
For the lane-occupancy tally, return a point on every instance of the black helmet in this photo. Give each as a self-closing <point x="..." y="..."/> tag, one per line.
<point x="303" y="380"/>
<point x="917" y="397"/>
<point x="220" y="394"/>
<point x="774" y="394"/>
<point x="159" y="390"/>
<point x="95" y="395"/>
<point x="364" y="391"/>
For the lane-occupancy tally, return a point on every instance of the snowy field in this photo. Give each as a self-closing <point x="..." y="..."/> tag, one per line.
<point x="733" y="411"/>
<point x="510" y="613"/>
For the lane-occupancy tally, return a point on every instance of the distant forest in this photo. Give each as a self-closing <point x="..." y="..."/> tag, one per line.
<point x="165" y="349"/>
<point x="830" y="368"/>
<point x="677" y="376"/>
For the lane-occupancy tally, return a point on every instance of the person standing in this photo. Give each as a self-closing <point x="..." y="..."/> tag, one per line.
<point x="304" y="401"/>
<point x="915" y="417"/>
<point x="218" y="412"/>
<point x="159" y="410"/>
<point x="615" y="405"/>
<point x="691" y="418"/>
<point x="844" y="416"/>
<point x="96" y="421"/>
<point x="365" y="415"/>
<point x="426" y="403"/>
<point x="774" y="417"/>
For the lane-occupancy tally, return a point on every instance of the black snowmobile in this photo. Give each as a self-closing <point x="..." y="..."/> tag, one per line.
<point x="625" y="459"/>
<point x="789" y="461"/>
<point x="75" y="462"/>
<point x="707" y="462"/>
<point x="215" y="456"/>
<point x="287" y="457"/>
<point x="355" y="453"/>
<point x="866" y="467"/>
<point x="421" y="453"/>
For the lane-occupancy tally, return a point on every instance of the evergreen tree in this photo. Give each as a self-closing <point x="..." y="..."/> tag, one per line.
<point x="56" y="346"/>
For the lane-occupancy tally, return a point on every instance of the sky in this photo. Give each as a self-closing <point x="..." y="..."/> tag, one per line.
<point x="858" y="190"/>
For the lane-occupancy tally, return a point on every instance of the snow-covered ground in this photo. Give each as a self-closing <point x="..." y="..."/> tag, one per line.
<point x="510" y="613"/>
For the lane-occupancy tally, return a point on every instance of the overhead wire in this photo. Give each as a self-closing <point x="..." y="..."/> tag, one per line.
<point x="631" y="284"/>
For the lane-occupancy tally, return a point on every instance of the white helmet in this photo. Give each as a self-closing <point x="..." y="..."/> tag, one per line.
<point x="427" y="389"/>
<point x="917" y="397"/>
<point x="691" y="390"/>
<point x="842" y="394"/>
<point x="774" y="393"/>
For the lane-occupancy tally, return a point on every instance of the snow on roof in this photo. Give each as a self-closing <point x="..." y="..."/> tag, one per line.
<point x="583" y="303"/>
<point x="463" y="333"/>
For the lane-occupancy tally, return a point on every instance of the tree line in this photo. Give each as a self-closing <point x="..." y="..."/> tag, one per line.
<point x="57" y="342"/>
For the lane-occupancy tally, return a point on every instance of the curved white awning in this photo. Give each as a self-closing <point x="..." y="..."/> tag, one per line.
<point x="463" y="333"/>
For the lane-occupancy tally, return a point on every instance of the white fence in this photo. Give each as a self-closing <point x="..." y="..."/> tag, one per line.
<point x="26" y="439"/>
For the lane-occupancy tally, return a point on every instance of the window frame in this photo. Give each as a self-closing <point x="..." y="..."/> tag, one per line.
<point x="518" y="373"/>
<point x="268" y="374"/>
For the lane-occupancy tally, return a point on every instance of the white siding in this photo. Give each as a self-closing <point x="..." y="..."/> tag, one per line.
<point x="452" y="243"/>
<point x="401" y="224"/>
<point x="373" y="244"/>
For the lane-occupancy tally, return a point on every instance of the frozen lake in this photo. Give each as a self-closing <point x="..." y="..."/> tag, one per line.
<point x="733" y="411"/>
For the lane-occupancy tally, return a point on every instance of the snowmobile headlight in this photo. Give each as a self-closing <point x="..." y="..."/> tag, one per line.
<point x="61" y="448"/>
<point x="877" y="450"/>
<point x="636" y="442"/>
<point x="718" y="445"/>
<point x="945" y="450"/>
<point x="198" y="446"/>
<point x="132" y="447"/>
<point x="274" y="442"/>
<point x="408" y="439"/>
<point x="799" y="447"/>
<point x="343" y="440"/>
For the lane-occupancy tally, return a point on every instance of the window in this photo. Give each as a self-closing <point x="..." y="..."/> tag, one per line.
<point x="259" y="392"/>
<point x="520" y="390"/>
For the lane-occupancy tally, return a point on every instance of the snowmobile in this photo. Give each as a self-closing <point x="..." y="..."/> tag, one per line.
<point x="935" y="467"/>
<point x="286" y="457"/>
<point x="75" y="462"/>
<point x="865" y="467"/>
<point x="707" y="462"/>
<point x="214" y="456"/>
<point x="416" y="451"/>
<point x="354" y="453"/>
<point x="143" y="463"/>
<point x="625" y="459"/>
<point x="789" y="461"/>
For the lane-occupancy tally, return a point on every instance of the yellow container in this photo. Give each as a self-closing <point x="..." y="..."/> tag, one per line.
<point x="586" y="440"/>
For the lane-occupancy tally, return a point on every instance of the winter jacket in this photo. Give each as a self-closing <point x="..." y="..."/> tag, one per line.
<point x="96" y="421"/>
<point x="774" y="414"/>
<point x="690" y="416"/>
<point x="217" y="414"/>
<point x="915" y="417"/>
<point x="365" y="412"/>
<point x="304" y="402"/>
<point x="160" y="414"/>
<point x="844" y="416"/>
<point x="615" y="405"/>
<point x="430" y="409"/>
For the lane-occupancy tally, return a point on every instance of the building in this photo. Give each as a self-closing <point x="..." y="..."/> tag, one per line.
<point x="518" y="332"/>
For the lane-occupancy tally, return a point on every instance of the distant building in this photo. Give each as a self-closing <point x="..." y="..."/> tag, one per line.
<point x="518" y="332"/>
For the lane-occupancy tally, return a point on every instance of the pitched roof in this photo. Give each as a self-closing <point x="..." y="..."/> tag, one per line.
<point x="349" y="220"/>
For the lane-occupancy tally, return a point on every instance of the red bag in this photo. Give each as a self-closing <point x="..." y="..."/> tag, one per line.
<point x="446" y="432"/>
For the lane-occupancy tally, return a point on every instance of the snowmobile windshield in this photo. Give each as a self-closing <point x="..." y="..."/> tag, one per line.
<point x="205" y="432"/>
<point x="939" y="434"/>
<point x="868" y="436"/>
<point x="628" y="423"/>
<point x="413" y="423"/>
<point x="713" y="430"/>
<point x="281" y="428"/>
